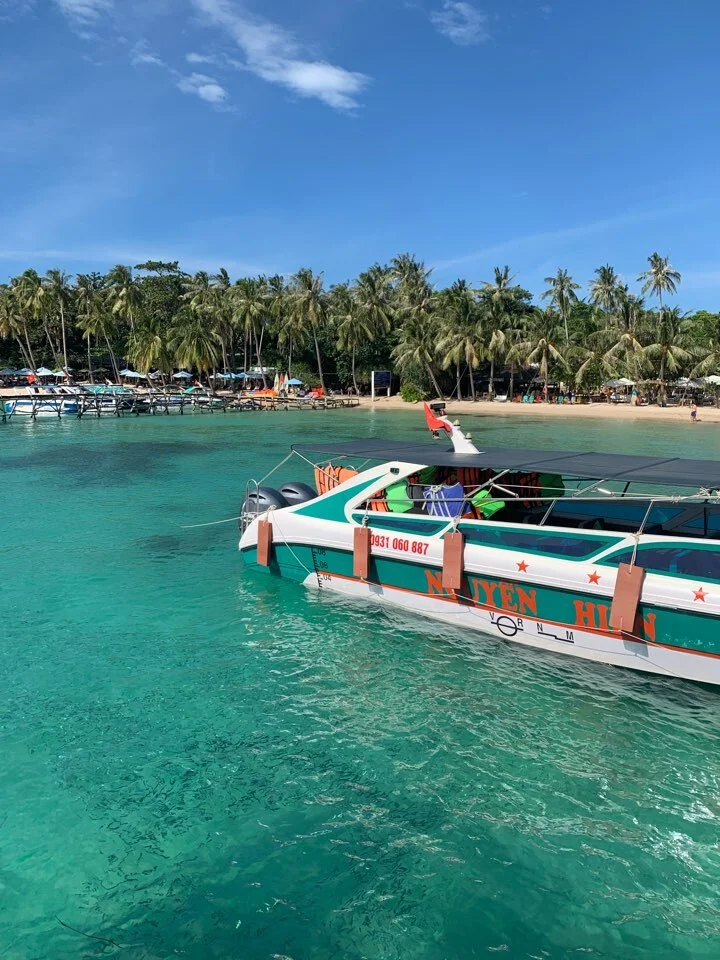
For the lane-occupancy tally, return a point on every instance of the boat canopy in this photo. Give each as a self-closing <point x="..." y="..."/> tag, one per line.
<point x="672" y="471"/>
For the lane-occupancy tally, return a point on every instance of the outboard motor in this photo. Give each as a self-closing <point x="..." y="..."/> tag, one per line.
<point x="258" y="501"/>
<point x="297" y="492"/>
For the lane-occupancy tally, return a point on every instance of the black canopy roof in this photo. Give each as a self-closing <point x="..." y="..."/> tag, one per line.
<point x="587" y="466"/>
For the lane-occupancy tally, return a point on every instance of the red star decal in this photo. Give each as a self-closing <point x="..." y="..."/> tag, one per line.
<point x="594" y="577"/>
<point x="522" y="566"/>
<point x="700" y="594"/>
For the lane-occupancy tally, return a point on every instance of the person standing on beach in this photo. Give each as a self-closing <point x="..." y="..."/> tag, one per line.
<point x="693" y="413"/>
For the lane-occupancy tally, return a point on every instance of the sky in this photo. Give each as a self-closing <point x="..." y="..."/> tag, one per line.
<point x="266" y="135"/>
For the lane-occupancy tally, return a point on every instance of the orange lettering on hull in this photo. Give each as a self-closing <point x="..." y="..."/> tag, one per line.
<point x="527" y="600"/>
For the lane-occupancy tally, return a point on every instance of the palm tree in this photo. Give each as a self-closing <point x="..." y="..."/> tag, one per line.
<point x="222" y="312"/>
<point x="629" y="308"/>
<point x="541" y="346"/>
<point x="90" y="316"/>
<point x="147" y="348"/>
<point x="561" y="292"/>
<point x="250" y="311"/>
<point x="407" y="271"/>
<point x="669" y="350"/>
<point x="125" y="295"/>
<point x="660" y="277"/>
<point x="30" y="294"/>
<point x="58" y="294"/>
<point x="372" y="294"/>
<point x="353" y="324"/>
<point x="12" y="325"/>
<point x="192" y="343"/>
<point x="605" y="290"/>
<point x="308" y="304"/>
<point x="418" y="336"/>
<point x="460" y="331"/>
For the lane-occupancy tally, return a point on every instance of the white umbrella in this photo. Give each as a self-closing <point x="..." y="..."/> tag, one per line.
<point x="713" y="378"/>
<point x="183" y="375"/>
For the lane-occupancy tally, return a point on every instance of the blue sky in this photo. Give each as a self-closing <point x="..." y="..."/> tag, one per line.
<point x="264" y="135"/>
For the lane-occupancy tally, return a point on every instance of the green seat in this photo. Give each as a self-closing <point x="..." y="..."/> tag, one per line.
<point x="486" y="504"/>
<point x="397" y="497"/>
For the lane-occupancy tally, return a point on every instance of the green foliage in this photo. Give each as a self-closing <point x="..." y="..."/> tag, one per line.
<point x="392" y="317"/>
<point x="411" y="393"/>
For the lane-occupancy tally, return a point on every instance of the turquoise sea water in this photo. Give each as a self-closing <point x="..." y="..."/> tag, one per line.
<point x="199" y="761"/>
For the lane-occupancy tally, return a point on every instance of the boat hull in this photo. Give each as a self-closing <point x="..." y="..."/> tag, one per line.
<point x="525" y="613"/>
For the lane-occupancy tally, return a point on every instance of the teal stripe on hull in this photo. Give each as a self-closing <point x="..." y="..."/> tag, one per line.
<point x="573" y="609"/>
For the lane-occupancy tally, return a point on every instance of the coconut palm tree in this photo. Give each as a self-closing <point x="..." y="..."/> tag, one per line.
<point x="124" y="294"/>
<point x="222" y="312"/>
<point x="561" y="292"/>
<point x="13" y="325"/>
<point x="90" y="315"/>
<point x="250" y="310"/>
<point x="372" y="294"/>
<point x="605" y="290"/>
<point x="147" y="349"/>
<point x="542" y="344"/>
<point x="191" y="342"/>
<point x="670" y="347"/>
<point x="629" y="308"/>
<point x="30" y="294"/>
<point x="460" y="331"/>
<point x="354" y="327"/>
<point x="660" y="277"/>
<point x="307" y="302"/>
<point x="407" y="272"/>
<point x="58" y="296"/>
<point x="418" y="341"/>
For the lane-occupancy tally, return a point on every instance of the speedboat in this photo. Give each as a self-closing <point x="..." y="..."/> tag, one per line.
<point x="44" y="402"/>
<point x="607" y="557"/>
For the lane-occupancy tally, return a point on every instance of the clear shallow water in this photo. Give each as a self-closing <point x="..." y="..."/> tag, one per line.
<point x="199" y="761"/>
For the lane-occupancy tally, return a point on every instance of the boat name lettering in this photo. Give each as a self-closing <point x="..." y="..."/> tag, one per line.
<point x="496" y="594"/>
<point x="597" y="617"/>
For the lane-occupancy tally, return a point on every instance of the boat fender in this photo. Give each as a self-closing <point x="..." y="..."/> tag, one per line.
<point x="264" y="543"/>
<point x="361" y="552"/>
<point x="297" y="492"/>
<point x="453" y="561"/>
<point x="626" y="598"/>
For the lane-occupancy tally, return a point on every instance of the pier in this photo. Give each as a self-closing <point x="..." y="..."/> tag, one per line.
<point x="80" y="403"/>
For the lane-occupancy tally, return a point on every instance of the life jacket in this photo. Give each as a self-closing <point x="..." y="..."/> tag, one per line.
<point x="329" y="477"/>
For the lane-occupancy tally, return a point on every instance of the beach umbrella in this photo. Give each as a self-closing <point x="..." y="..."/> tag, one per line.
<point x="44" y="372"/>
<point x="23" y="372"/>
<point x="182" y="375"/>
<point x="294" y="382"/>
<point x="713" y="378"/>
<point x="7" y="372"/>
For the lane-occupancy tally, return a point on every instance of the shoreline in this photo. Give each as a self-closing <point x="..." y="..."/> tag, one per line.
<point x="576" y="411"/>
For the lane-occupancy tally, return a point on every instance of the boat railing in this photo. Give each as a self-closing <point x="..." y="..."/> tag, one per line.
<point x="251" y="508"/>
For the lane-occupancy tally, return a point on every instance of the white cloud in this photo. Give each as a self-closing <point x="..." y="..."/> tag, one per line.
<point x="207" y="88"/>
<point x="275" y="55"/>
<point x="84" y="11"/>
<point x="199" y="58"/>
<point x="460" y="22"/>
<point x="141" y="53"/>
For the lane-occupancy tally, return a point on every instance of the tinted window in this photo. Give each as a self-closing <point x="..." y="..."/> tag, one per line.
<point x="557" y="545"/>
<point x="681" y="561"/>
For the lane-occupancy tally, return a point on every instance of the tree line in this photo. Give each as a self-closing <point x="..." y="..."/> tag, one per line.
<point x="436" y="340"/>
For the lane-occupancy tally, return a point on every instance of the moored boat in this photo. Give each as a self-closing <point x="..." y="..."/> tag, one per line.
<point x="612" y="558"/>
<point x="44" y="402"/>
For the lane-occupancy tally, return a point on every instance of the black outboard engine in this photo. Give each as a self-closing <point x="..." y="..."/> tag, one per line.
<point x="258" y="501"/>
<point x="297" y="492"/>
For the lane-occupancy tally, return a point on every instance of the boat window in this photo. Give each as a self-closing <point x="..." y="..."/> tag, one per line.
<point x="572" y="546"/>
<point x="676" y="561"/>
<point x="423" y="526"/>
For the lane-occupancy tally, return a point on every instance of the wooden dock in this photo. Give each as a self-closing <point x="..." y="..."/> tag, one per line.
<point x="82" y="404"/>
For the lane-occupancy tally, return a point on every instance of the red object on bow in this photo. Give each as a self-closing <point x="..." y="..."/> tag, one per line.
<point x="433" y="422"/>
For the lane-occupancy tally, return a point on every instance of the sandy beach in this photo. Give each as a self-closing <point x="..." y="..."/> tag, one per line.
<point x="580" y="411"/>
